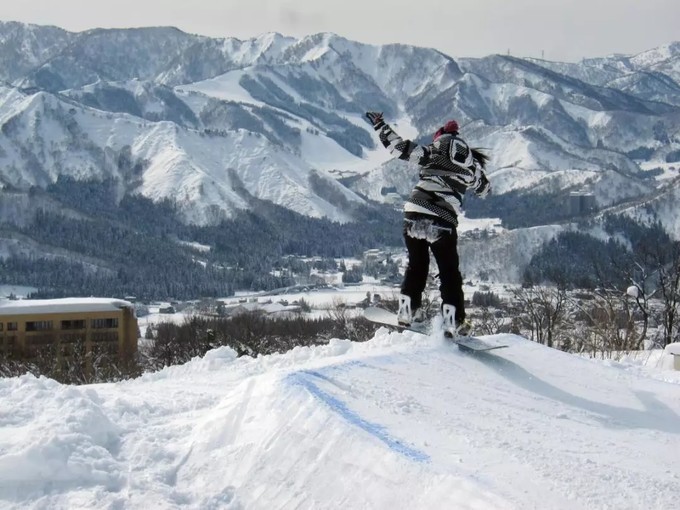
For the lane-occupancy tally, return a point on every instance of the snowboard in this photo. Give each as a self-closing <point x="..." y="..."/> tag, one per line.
<point x="387" y="318"/>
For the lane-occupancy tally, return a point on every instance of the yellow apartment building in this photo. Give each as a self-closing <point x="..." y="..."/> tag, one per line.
<point x="87" y="329"/>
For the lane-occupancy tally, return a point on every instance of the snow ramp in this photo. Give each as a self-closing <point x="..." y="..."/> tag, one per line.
<point x="403" y="421"/>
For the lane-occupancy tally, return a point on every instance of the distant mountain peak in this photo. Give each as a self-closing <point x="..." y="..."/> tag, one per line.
<point x="171" y="111"/>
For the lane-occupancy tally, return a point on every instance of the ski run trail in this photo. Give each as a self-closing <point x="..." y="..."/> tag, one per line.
<point x="404" y="421"/>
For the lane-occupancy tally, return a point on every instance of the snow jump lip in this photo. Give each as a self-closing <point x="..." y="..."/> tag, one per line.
<point x="305" y="379"/>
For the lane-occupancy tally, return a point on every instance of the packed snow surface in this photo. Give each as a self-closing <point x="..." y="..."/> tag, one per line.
<point x="402" y="421"/>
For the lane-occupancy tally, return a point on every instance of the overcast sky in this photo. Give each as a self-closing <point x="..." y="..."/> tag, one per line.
<point x="565" y="30"/>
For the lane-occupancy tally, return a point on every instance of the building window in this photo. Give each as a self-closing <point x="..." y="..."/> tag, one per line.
<point x="105" y="349"/>
<point x="9" y="347"/>
<point x="41" y="340"/>
<point x="38" y="325"/>
<point x="12" y="326"/>
<point x="1" y="326"/>
<point x="80" y="324"/>
<point x="105" y="336"/>
<point x="104" y="323"/>
<point x="42" y="345"/>
<point x="71" y="338"/>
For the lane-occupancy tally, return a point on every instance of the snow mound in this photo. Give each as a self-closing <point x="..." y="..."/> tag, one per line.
<point x="402" y="421"/>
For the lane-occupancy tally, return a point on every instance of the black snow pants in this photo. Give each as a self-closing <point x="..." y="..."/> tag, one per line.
<point x="443" y="241"/>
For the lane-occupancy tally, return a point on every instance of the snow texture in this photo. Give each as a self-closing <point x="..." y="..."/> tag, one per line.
<point x="402" y="421"/>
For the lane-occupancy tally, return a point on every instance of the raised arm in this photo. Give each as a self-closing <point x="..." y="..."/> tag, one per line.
<point x="404" y="149"/>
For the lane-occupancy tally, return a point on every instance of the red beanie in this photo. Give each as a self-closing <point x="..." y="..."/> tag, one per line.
<point x="450" y="127"/>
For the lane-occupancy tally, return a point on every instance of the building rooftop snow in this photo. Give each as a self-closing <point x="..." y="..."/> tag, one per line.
<point x="64" y="305"/>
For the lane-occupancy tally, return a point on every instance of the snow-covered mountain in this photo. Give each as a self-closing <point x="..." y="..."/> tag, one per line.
<point x="46" y="136"/>
<point x="651" y="75"/>
<point x="194" y="119"/>
<point x="404" y="421"/>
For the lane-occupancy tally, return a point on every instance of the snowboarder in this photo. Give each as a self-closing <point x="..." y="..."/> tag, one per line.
<point x="448" y="167"/>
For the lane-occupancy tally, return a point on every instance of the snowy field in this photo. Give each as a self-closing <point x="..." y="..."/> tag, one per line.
<point x="322" y="301"/>
<point x="402" y="421"/>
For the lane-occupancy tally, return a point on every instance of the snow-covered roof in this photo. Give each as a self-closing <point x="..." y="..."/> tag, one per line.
<point x="65" y="305"/>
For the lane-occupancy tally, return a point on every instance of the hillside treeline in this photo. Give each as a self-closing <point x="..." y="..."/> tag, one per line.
<point x="137" y="247"/>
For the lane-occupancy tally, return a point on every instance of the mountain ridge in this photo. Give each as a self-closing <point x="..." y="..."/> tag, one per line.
<point x="190" y="119"/>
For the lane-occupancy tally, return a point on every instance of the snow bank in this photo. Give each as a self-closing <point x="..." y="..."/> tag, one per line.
<point x="55" y="438"/>
<point x="402" y="421"/>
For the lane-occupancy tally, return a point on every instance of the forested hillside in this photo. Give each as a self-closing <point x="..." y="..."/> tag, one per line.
<point x="137" y="247"/>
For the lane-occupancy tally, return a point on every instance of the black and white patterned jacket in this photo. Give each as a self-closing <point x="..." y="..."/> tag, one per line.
<point x="447" y="170"/>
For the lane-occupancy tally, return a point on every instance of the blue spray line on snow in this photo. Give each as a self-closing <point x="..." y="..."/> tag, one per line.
<point x="302" y="378"/>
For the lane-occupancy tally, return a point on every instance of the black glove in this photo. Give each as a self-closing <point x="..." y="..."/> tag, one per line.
<point x="375" y="118"/>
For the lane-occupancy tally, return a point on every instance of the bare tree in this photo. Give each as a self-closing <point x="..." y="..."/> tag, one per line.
<point x="664" y="260"/>
<point x="487" y="322"/>
<point x="669" y="288"/>
<point x="543" y="311"/>
<point x="609" y="323"/>
<point x="641" y="298"/>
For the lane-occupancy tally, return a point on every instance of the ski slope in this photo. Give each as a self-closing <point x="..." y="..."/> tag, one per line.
<point x="403" y="421"/>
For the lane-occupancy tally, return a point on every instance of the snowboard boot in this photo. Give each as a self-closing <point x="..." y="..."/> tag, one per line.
<point x="452" y="327"/>
<point x="464" y="328"/>
<point x="449" y="321"/>
<point x="406" y="314"/>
